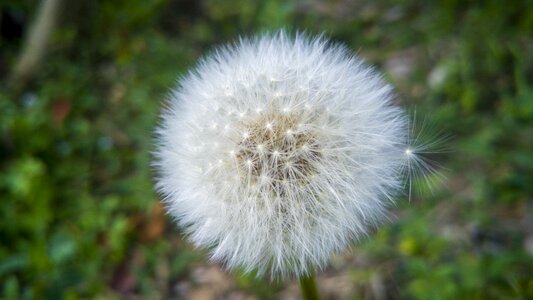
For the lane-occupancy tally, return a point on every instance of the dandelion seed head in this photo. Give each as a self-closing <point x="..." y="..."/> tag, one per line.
<point x="312" y="150"/>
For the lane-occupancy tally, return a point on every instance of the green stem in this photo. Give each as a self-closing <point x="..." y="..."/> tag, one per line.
<point x="308" y="287"/>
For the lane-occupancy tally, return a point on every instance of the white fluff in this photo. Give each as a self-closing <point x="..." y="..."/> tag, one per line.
<point x="277" y="152"/>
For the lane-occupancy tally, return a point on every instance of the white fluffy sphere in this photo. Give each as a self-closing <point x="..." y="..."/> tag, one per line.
<point x="277" y="152"/>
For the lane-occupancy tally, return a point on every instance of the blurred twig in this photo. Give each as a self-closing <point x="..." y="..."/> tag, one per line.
<point x="36" y="42"/>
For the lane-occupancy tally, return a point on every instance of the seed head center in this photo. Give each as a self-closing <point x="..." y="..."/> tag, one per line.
<point x="278" y="148"/>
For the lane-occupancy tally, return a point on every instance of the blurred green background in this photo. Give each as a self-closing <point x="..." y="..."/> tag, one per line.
<point x="78" y="214"/>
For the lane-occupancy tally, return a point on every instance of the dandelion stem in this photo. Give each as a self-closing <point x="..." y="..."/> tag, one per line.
<point x="308" y="287"/>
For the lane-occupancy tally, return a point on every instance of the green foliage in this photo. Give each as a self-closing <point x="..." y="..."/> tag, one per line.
<point x="78" y="215"/>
